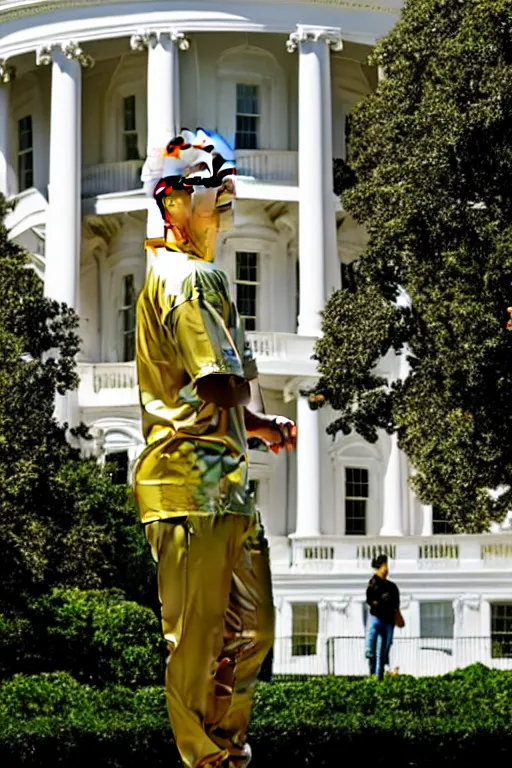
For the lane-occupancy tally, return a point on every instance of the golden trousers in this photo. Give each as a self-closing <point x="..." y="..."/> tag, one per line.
<point x="218" y="621"/>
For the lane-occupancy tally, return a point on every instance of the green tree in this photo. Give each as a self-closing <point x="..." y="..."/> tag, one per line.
<point x="431" y="151"/>
<point x="62" y="521"/>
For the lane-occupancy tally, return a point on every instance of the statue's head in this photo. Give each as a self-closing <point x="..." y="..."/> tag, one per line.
<point x="195" y="190"/>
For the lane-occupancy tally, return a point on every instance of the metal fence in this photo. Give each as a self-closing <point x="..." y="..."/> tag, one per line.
<point x="421" y="657"/>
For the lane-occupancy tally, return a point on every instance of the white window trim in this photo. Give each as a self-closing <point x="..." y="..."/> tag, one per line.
<point x="266" y="248"/>
<point x="354" y="453"/>
<point x="237" y="65"/>
<point x="128" y="81"/>
<point x="112" y="300"/>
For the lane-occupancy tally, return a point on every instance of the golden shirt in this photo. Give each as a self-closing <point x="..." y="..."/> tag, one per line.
<point x="196" y="456"/>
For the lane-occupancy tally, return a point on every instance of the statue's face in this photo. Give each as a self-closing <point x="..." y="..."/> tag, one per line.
<point x="193" y="215"/>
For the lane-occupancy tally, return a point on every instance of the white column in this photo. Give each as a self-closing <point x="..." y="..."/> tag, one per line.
<point x="308" y="470"/>
<point x="315" y="157"/>
<point x="392" y="524"/>
<point x="63" y="225"/>
<point x="163" y="98"/>
<point x="332" y="262"/>
<point x="7" y="74"/>
<point x="427" y="521"/>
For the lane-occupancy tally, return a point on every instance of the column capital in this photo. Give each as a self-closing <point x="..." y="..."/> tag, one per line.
<point x="148" y="38"/>
<point x="309" y="34"/>
<point x="7" y="72"/>
<point x="295" y="386"/>
<point x="71" y="50"/>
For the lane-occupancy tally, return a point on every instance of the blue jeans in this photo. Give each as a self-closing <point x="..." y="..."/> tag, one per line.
<point x="379" y="637"/>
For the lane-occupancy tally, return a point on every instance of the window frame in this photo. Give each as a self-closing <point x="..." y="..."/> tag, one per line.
<point x="299" y="642"/>
<point x="347" y="498"/>
<point x="22" y="153"/>
<point x="132" y="131"/>
<point x="423" y="604"/>
<point x="255" y="115"/>
<point x="352" y="451"/>
<point x="251" y="283"/>
<point x="497" y="641"/>
<point x="124" y="311"/>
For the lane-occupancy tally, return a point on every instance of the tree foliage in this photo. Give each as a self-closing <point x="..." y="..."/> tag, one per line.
<point x="431" y="150"/>
<point x="62" y="521"/>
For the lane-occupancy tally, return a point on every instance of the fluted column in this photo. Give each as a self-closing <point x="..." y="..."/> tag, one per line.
<point x="163" y="97"/>
<point x="427" y="521"/>
<point x="308" y="470"/>
<point x="62" y="252"/>
<point x="7" y="73"/>
<point x="392" y="523"/>
<point x="316" y="210"/>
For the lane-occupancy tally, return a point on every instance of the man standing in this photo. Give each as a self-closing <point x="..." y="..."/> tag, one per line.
<point x="383" y="597"/>
<point x="201" y="402"/>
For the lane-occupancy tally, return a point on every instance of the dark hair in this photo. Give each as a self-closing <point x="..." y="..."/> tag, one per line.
<point x="379" y="561"/>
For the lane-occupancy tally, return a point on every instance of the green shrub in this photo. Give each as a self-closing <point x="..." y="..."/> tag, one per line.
<point x="461" y="718"/>
<point x="98" y="637"/>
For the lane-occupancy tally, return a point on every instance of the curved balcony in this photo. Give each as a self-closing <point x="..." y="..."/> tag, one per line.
<point x="269" y="166"/>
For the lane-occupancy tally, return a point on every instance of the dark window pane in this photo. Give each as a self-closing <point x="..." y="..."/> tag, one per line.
<point x="129" y="113"/>
<point x="355" y="517"/>
<point x="25" y="139"/>
<point x="117" y="467"/>
<point x="440" y="524"/>
<point x="356" y="483"/>
<point x="26" y="170"/>
<point x="131" y="150"/>
<point x="247" y="116"/>
<point x="247" y="99"/>
<point x="501" y="631"/>
<point x="128" y="318"/>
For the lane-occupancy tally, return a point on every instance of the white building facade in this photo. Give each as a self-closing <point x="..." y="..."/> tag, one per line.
<point x="83" y="85"/>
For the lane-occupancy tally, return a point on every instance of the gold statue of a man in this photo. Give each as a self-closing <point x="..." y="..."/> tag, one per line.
<point x="200" y="402"/>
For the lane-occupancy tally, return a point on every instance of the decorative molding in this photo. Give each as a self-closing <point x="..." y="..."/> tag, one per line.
<point x="146" y="38"/>
<point x="306" y="34"/>
<point x="71" y="50"/>
<point x="336" y="606"/>
<point x="472" y="602"/>
<point x="7" y="72"/>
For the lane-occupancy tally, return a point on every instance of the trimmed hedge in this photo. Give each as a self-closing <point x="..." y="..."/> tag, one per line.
<point x="96" y="635"/>
<point x="466" y="716"/>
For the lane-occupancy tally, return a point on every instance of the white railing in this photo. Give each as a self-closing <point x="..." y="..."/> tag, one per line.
<point x="275" y="353"/>
<point x="262" y="165"/>
<point x="310" y="655"/>
<point x="268" y="165"/>
<point x="107" y="178"/>
<point x="351" y="554"/>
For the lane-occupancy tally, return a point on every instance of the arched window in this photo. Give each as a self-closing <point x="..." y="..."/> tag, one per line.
<point x="356" y="467"/>
<point x="252" y="104"/>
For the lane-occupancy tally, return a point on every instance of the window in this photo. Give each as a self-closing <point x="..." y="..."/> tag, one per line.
<point x="25" y="153"/>
<point x="247" y="116"/>
<point x="356" y="499"/>
<point x="436" y="620"/>
<point x="117" y="467"/>
<point x="247" y="288"/>
<point x="440" y="524"/>
<point x="130" y="137"/>
<point x="304" y="629"/>
<point x="128" y="318"/>
<point x="501" y="630"/>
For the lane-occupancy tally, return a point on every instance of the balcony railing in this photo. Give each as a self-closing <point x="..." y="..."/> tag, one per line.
<point x="268" y="165"/>
<point x="352" y="554"/>
<point x="116" y="383"/>
<point x="107" y="178"/>
<point x="262" y="165"/>
<point x="421" y="657"/>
